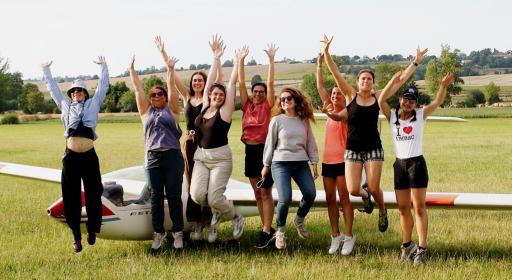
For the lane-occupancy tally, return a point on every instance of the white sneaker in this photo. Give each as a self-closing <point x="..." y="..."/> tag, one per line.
<point x="198" y="232"/>
<point x="335" y="243"/>
<point x="407" y="253"/>
<point x="348" y="245"/>
<point x="212" y="233"/>
<point x="298" y="222"/>
<point x="280" y="239"/>
<point x="158" y="238"/>
<point x="238" y="226"/>
<point x="178" y="239"/>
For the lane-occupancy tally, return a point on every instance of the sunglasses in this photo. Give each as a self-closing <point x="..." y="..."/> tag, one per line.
<point x="410" y="100"/>
<point x="287" y="98"/>
<point x="78" y="89"/>
<point x="158" y="93"/>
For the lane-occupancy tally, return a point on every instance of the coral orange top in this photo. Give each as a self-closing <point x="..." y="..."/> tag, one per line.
<point x="335" y="141"/>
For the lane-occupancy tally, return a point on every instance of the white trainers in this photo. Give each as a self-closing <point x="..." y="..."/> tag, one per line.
<point x="212" y="233"/>
<point x="335" y="243"/>
<point x="280" y="239"/>
<point x="238" y="226"/>
<point x="298" y="222"/>
<point x="178" y="239"/>
<point x="348" y="245"/>
<point x="158" y="238"/>
<point x="407" y="253"/>
<point x="198" y="232"/>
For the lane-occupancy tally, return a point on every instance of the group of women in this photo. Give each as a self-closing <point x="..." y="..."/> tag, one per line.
<point x="279" y="144"/>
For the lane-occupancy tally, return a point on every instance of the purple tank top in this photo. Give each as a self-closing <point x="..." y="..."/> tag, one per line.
<point x="161" y="130"/>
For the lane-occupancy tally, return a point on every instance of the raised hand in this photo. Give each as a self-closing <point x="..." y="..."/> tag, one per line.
<point x="159" y="44"/>
<point x="447" y="80"/>
<point x="171" y="62"/>
<point x="271" y="50"/>
<point x="217" y="46"/>
<point x="242" y="53"/>
<point x="420" y="55"/>
<point x="47" y="64"/>
<point x="100" y="60"/>
<point x="397" y="78"/>
<point x="327" y="42"/>
<point x="327" y="108"/>
<point x="131" y="66"/>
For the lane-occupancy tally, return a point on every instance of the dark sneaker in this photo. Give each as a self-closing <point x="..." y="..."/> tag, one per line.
<point x="383" y="221"/>
<point x="77" y="246"/>
<point x="407" y="253"/>
<point x="420" y="257"/>
<point x="367" y="202"/>
<point x="266" y="239"/>
<point x="91" y="238"/>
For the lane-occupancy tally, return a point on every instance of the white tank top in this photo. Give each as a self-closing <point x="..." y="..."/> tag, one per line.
<point x="408" y="136"/>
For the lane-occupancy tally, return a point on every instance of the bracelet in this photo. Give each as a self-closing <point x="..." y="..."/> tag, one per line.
<point x="415" y="64"/>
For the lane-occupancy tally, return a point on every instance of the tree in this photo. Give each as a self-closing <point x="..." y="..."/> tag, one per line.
<point x="449" y="61"/>
<point x="22" y="99"/>
<point x="127" y="102"/>
<point x="192" y="67"/>
<point x="492" y="93"/>
<point x="228" y="63"/>
<point x="478" y="95"/>
<point x="152" y="81"/>
<point x="252" y="62"/>
<point x="114" y="94"/>
<point x="35" y="102"/>
<point x="256" y="79"/>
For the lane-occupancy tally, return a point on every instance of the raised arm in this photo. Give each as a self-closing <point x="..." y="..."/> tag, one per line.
<point x="227" y="109"/>
<point x="103" y="84"/>
<point x="243" y="52"/>
<point x="320" y="81"/>
<point x="177" y="81"/>
<point x="140" y="97"/>
<point x="407" y="73"/>
<point x="389" y="90"/>
<point x="345" y="87"/>
<point x="218" y="48"/>
<point x="271" y="52"/>
<point x="441" y="94"/>
<point x="52" y="86"/>
<point x="172" y="93"/>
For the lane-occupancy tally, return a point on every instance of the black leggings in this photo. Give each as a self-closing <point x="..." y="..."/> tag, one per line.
<point x="76" y="167"/>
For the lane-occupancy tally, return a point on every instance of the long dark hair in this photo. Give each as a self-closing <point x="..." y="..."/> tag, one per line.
<point x="191" y="91"/>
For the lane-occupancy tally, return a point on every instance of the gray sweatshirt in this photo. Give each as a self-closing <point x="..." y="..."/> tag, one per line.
<point x="289" y="139"/>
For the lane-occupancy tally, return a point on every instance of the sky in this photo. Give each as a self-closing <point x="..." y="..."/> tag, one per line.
<point x="73" y="33"/>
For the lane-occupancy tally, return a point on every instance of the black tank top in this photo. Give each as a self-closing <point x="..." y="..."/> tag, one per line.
<point x="363" y="133"/>
<point x="213" y="132"/>
<point x="81" y="131"/>
<point x="191" y="113"/>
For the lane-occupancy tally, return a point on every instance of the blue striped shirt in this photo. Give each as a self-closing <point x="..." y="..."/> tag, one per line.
<point x="74" y="112"/>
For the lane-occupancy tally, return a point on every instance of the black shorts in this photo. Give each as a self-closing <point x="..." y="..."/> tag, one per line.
<point x="410" y="173"/>
<point x="333" y="170"/>
<point x="253" y="160"/>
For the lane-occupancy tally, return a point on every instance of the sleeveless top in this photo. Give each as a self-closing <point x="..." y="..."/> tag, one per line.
<point x="213" y="132"/>
<point x="255" y="121"/>
<point x="335" y="141"/>
<point x="161" y="132"/>
<point x="363" y="132"/>
<point x="191" y="113"/>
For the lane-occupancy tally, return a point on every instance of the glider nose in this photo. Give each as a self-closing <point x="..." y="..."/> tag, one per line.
<point x="56" y="210"/>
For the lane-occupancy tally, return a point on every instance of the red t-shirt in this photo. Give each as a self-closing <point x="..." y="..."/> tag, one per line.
<point x="255" y="121"/>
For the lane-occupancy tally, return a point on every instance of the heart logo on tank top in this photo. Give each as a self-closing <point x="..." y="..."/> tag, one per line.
<point x="408" y="129"/>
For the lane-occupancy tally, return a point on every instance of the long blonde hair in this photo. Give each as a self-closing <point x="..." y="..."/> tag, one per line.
<point x="303" y="106"/>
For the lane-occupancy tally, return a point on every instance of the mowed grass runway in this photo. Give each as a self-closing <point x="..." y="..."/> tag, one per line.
<point x="462" y="157"/>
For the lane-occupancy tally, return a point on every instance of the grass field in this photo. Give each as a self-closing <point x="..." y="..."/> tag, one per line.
<point x="462" y="157"/>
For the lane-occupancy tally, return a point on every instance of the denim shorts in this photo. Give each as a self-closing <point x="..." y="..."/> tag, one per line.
<point x="364" y="156"/>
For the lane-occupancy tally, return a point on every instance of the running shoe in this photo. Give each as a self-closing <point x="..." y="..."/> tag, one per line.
<point x="420" y="257"/>
<point x="266" y="238"/>
<point x="212" y="233"/>
<point x="383" y="221"/>
<point x="197" y="235"/>
<point x="238" y="226"/>
<point x="280" y="239"/>
<point x="335" y="243"/>
<point x="298" y="222"/>
<point x="178" y="239"/>
<point x="367" y="202"/>
<point x="348" y="245"/>
<point x="407" y="253"/>
<point x="158" y="238"/>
